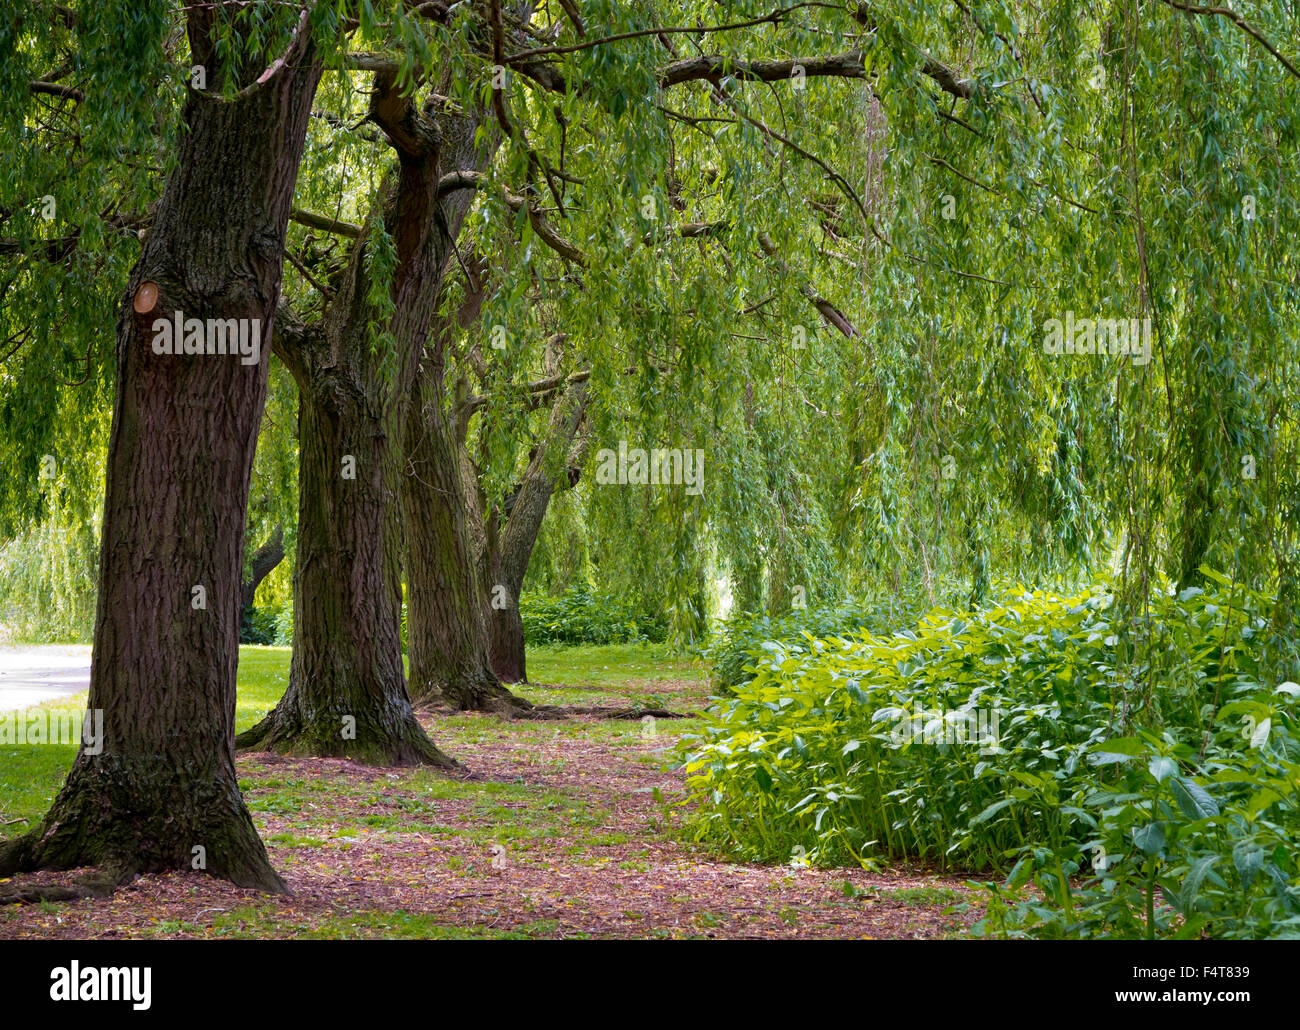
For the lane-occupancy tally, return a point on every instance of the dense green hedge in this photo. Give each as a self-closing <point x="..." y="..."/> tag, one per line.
<point x="580" y="617"/>
<point x="1127" y="798"/>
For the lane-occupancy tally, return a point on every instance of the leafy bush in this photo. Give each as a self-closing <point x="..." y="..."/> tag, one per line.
<point x="1173" y="854"/>
<point x="1018" y="736"/>
<point x="268" y="624"/>
<point x="580" y="617"/>
<point x="741" y="638"/>
<point x="258" y="625"/>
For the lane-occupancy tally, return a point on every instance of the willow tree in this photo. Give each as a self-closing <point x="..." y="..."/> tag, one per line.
<point x="510" y="532"/>
<point x="1107" y="169"/>
<point x="163" y="793"/>
<point x="448" y="637"/>
<point x="460" y="661"/>
<point x="342" y="556"/>
<point x="966" y="448"/>
<point x="69" y="224"/>
<point x="358" y="356"/>
<point x="503" y="532"/>
<point x="355" y="366"/>
<point x="638" y="258"/>
<point x="1122" y="166"/>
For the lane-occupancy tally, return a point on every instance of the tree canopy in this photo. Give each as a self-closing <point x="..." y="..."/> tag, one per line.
<point x="937" y="299"/>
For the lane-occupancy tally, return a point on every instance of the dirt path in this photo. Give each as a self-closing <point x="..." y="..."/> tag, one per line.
<point x="564" y="830"/>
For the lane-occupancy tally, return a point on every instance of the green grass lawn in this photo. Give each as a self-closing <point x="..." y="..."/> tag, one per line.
<point x="263" y="678"/>
<point x="31" y="774"/>
<point x="612" y="665"/>
<point x="587" y="809"/>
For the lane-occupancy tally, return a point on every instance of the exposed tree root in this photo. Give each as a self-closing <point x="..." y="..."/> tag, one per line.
<point x="626" y="713"/>
<point x="94" y="885"/>
<point x="482" y="692"/>
<point x="127" y="815"/>
<point x="507" y="708"/>
<point x="284" y="732"/>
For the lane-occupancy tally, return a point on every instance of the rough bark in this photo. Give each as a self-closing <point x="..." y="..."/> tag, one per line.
<point x="265" y="559"/>
<point x="458" y="658"/>
<point x="347" y="691"/>
<point x="179" y="463"/>
<point x="510" y="547"/>
<point x="447" y="640"/>
<point x="346" y="696"/>
<point x="446" y="634"/>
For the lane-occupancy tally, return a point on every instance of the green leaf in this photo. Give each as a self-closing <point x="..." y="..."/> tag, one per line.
<point x="1193" y="799"/>
<point x="1162" y="767"/>
<point x="1248" y="857"/>
<point x="1150" y="838"/>
<point x="1192" y="883"/>
<point x="1130" y="746"/>
<point x="991" y="811"/>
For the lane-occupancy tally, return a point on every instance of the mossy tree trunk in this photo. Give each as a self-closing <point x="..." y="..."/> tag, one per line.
<point x="347" y="692"/>
<point x="446" y="633"/>
<point x="464" y="632"/>
<point x="162" y="794"/>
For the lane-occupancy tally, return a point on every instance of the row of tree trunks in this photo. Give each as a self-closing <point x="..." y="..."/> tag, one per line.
<point x="465" y="634"/>
<point x="163" y="793"/>
<point x="347" y="691"/>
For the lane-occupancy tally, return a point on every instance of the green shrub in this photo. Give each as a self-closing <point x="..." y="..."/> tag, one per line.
<point x="740" y="640"/>
<point x="988" y="740"/>
<point x="258" y="625"/>
<point x="1181" y="845"/>
<point x="580" y="617"/>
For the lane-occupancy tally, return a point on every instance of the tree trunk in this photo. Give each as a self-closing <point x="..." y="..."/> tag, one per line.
<point x="507" y="651"/>
<point x="507" y="555"/>
<point x="266" y="558"/>
<point x="347" y="694"/>
<point x="347" y="691"/>
<point x="163" y="793"/>
<point x="446" y="634"/>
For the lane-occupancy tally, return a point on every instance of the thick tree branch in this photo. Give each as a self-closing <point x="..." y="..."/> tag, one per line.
<point x="54" y="89"/>
<point x="1241" y="23"/>
<point x="575" y="16"/>
<point x="265" y="559"/>
<point x="397" y="116"/>
<point x="712" y="68"/>
<point x="325" y="223"/>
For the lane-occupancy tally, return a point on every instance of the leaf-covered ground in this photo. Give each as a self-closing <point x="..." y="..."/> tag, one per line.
<point x="562" y="829"/>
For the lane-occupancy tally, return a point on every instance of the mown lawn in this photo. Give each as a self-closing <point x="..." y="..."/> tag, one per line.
<point x="31" y="774"/>
<point x="557" y="828"/>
